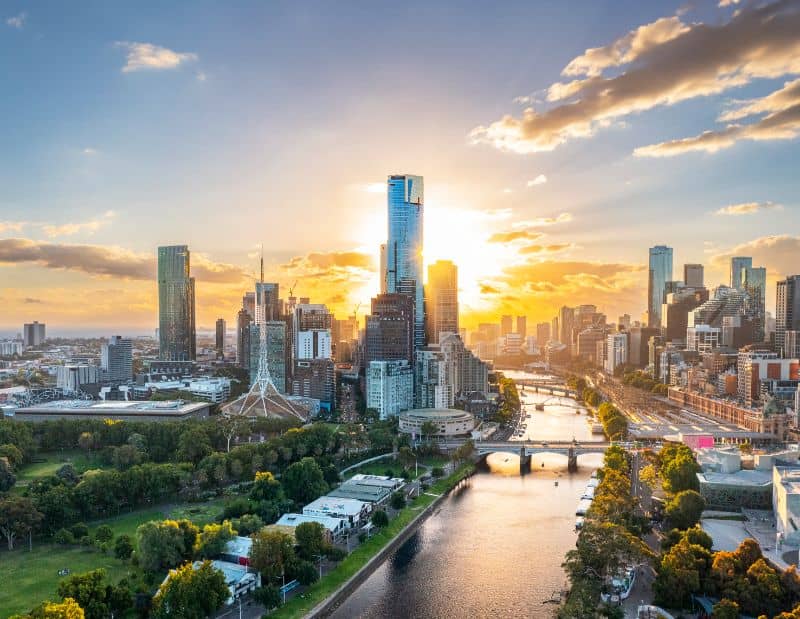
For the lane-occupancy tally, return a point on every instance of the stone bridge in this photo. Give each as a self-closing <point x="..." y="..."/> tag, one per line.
<point x="525" y="449"/>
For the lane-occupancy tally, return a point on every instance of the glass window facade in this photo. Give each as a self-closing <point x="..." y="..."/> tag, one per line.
<point x="660" y="274"/>
<point x="176" y="309"/>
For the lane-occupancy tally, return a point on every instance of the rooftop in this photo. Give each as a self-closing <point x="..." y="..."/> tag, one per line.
<point x="292" y="520"/>
<point x="743" y="477"/>
<point x="116" y="406"/>
<point x="337" y="505"/>
<point x="438" y="414"/>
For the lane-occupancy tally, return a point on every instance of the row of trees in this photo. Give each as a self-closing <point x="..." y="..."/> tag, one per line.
<point x="640" y="380"/>
<point x="509" y="400"/>
<point x="615" y="424"/>
<point x="608" y="541"/>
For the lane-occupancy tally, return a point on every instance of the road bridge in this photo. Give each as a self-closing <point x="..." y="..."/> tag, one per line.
<point x="525" y="449"/>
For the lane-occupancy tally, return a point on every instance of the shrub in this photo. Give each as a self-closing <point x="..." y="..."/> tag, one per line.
<point x="437" y="471"/>
<point x="306" y="573"/>
<point x="64" y="537"/>
<point x="268" y="596"/>
<point x="104" y="533"/>
<point x="398" y="500"/>
<point x="335" y="554"/>
<point x="379" y="518"/>
<point x="123" y="547"/>
<point x="79" y="530"/>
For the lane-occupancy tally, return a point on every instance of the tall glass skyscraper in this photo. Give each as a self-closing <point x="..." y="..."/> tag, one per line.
<point x="404" y="245"/>
<point x="737" y="264"/>
<point x="660" y="273"/>
<point x="176" y="316"/>
<point x="754" y="281"/>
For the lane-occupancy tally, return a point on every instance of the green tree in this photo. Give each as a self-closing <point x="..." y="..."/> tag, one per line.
<point x="269" y="596"/>
<point x="13" y="454"/>
<point x="379" y="518"/>
<point x="272" y="554"/>
<point x="7" y="477"/>
<point x="165" y="544"/>
<point x="310" y="538"/>
<point x="304" y="482"/>
<point x="398" y="500"/>
<point x="684" y="510"/>
<point x="212" y="539"/>
<point x="428" y="429"/>
<point x="725" y="609"/>
<point x="247" y="524"/>
<point x="123" y="547"/>
<point x="680" y="473"/>
<point x="18" y="518"/>
<point x="95" y="595"/>
<point x="306" y="573"/>
<point x="194" y="445"/>
<point x="104" y="533"/>
<point x="681" y="574"/>
<point x="266" y="487"/>
<point x="190" y="593"/>
<point x="67" y="609"/>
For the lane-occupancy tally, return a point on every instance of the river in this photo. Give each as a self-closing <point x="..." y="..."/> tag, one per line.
<point x="495" y="547"/>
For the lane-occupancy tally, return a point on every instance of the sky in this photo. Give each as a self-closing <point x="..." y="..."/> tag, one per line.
<point x="558" y="141"/>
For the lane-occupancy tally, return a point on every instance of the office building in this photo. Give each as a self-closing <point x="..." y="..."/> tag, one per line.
<point x="243" y="321"/>
<point x="587" y="343"/>
<point x="405" y="197"/>
<point x="268" y="304"/>
<point x="639" y="345"/>
<point x="441" y="300"/>
<point x="506" y="325"/>
<point x="33" y="334"/>
<point x="389" y="332"/>
<point x="754" y="282"/>
<point x="314" y="344"/>
<point x="675" y="312"/>
<point x="522" y="326"/>
<point x="116" y="360"/>
<point x="616" y="353"/>
<point x="9" y="348"/>
<point x="755" y="367"/>
<point x="316" y="318"/>
<point x="278" y="358"/>
<point x="703" y="338"/>
<point x="249" y="304"/>
<point x="383" y="272"/>
<point x="542" y="334"/>
<point x="566" y="318"/>
<point x="176" y="306"/>
<point x="220" y="337"/>
<point x="74" y="378"/>
<point x="659" y="273"/>
<point x="624" y="322"/>
<point x="315" y="378"/>
<point x="737" y="264"/>
<point x="390" y="387"/>
<point x="787" y="311"/>
<point x="432" y="386"/>
<point x="693" y="275"/>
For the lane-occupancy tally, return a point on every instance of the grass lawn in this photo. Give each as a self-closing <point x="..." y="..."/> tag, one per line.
<point x="31" y="577"/>
<point x="198" y="513"/>
<point x="313" y="595"/>
<point x="52" y="461"/>
<point x="381" y="467"/>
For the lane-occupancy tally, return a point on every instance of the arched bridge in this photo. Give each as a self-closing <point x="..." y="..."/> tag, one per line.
<point x="525" y="449"/>
<point x="546" y="386"/>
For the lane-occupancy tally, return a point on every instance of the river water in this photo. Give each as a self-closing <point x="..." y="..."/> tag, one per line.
<point x="494" y="548"/>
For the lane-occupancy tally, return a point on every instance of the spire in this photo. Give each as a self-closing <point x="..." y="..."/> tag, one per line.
<point x="262" y="263"/>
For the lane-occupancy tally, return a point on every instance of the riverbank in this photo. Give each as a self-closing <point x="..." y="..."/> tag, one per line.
<point x="323" y="596"/>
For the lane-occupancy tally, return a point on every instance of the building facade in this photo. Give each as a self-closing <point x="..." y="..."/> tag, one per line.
<point x="176" y="305"/>
<point x="390" y="387"/>
<point x="116" y="360"/>
<point x="441" y="300"/>
<point x="659" y="273"/>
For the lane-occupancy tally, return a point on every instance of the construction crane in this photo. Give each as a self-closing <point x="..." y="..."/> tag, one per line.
<point x="291" y="288"/>
<point x="355" y="311"/>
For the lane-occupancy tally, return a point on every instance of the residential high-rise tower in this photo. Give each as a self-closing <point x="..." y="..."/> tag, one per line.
<point x="441" y="300"/>
<point x="660" y="272"/>
<point x="176" y="309"/>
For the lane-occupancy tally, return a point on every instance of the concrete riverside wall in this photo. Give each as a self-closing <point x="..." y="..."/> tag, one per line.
<point x="328" y="605"/>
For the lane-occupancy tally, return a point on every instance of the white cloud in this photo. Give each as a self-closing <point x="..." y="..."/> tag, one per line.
<point x="87" y="227"/>
<point x="374" y="187"/>
<point x="562" y="218"/>
<point x="147" y="56"/>
<point x="89" y="151"/>
<point x="507" y="190"/>
<point x="747" y="208"/>
<point x="18" y="21"/>
<point x="539" y="180"/>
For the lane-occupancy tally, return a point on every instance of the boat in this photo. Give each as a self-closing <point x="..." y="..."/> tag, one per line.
<point x="579" y="523"/>
<point x="555" y="483"/>
<point x="588" y="493"/>
<point x="583" y="507"/>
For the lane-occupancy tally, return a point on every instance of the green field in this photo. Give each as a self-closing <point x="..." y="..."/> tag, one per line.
<point x="32" y="577"/>
<point x="313" y="595"/>
<point x="52" y="461"/>
<point x="199" y="513"/>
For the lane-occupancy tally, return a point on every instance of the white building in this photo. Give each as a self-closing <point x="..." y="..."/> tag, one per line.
<point x="354" y="511"/>
<point x="11" y="347"/>
<point x="314" y="344"/>
<point x="215" y="390"/>
<point x="617" y="351"/>
<point x="334" y="526"/>
<point x="786" y="502"/>
<point x="390" y="387"/>
<point x="702" y="338"/>
<point x="432" y="380"/>
<point x="71" y="378"/>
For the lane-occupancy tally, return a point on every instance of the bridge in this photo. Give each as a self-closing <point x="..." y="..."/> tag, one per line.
<point x="547" y="386"/>
<point x="525" y="449"/>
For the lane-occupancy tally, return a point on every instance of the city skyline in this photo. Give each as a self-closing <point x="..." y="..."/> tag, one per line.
<point x="562" y="212"/>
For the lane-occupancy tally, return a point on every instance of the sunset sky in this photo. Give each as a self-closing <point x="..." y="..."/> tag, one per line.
<point x="558" y="141"/>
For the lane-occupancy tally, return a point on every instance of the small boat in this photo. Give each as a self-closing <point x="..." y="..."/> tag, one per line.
<point x="539" y="407"/>
<point x="555" y="483"/>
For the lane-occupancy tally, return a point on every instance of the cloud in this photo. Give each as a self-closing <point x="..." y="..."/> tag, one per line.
<point x="328" y="262"/>
<point x="539" y="180"/>
<point x="18" y="21"/>
<point x="747" y="208"/>
<point x="147" y="56"/>
<point x="68" y="229"/>
<point x="662" y="63"/>
<point x="545" y="249"/>
<point x="89" y="259"/>
<point x="780" y="122"/>
<point x="31" y="300"/>
<point x="89" y="151"/>
<point x="488" y="289"/>
<point x="514" y="235"/>
<point x="374" y="187"/>
<point x="778" y="253"/>
<point x="539" y="222"/>
<point x="12" y="226"/>
<point x="206" y="270"/>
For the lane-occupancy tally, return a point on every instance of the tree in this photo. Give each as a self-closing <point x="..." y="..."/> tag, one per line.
<point x="7" y="477"/>
<point x="212" y="539"/>
<point x="266" y="487"/>
<point x="681" y="573"/>
<point x="306" y="573"/>
<point x="406" y="456"/>
<point x="123" y="547"/>
<point x="104" y="533"/>
<point x="68" y="474"/>
<point x="428" y="429"/>
<point x="13" y="454"/>
<point x="247" y="524"/>
<point x="310" y="537"/>
<point x="379" y="518"/>
<point x="684" y="510"/>
<point x="233" y="427"/>
<point x="680" y="473"/>
<point x="269" y="596"/>
<point x="165" y="544"/>
<point x="194" y="445"/>
<point x="67" y="609"/>
<point x="272" y="553"/>
<point x="398" y="500"/>
<point x="190" y="593"/>
<point x="95" y="595"/>
<point x="304" y="482"/>
<point x="725" y="609"/>
<point x="18" y="517"/>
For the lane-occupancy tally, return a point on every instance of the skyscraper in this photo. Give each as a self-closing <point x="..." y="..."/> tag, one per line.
<point x="506" y="325"/>
<point x="176" y="309"/>
<point x="33" y="334"/>
<point x="693" y="275"/>
<point x="441" y="300"/>
<point x="276" y="343"/>
<point x="268" y="304"/>
<point x="243" y="320"/>
<point x="383" y="273"/>
<point x="405" y="198"/>
<point x="220" y="336"/>
<point x="660" y="272"/>
<point x="542" y="334"/>
<point x="311" y="318"/>
<point x="522" y="326"/>
<point x="787" y="313"/>
<point x="389" y="332"/>
<point x="754" y="282"/>
<point x="737" y="264"/>
<point x="116" y="360"/>
<point x="566" y="319"/>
